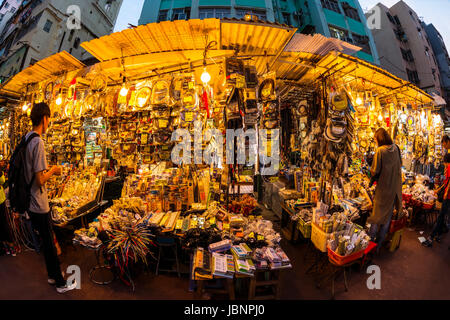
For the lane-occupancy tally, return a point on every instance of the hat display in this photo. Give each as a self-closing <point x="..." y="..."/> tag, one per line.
<point x="335" y="131"/>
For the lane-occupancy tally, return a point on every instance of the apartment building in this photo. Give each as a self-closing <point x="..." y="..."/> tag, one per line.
<point x="39" y="28"/>
<point x="7" y="9"/>
<point x="442" y="57"/>
<point x="405" y="49"/>
<point x="333" y="18"/>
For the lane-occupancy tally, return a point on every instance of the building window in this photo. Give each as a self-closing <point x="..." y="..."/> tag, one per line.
<point x="413" y="76"/>
<point x="363" y="42"/>
<point x="163" y="15"/>
<point x="391" y="18"/>
<point x="331" y="5"/>
<point x="407" y="55"/>
<point x="397" y="20"/>
<point x="13" y="9"/>
<point x="219" y="13"/>
<point x="339" y="34"/>
<point x="72" y="32"/>
<point x="261" y="14"/>
<point x="48" y="26"/>
<point x="180" y="14"/>
<point x="108" y="5"/>
<point x="350" y="11"/>
<point x="76" y="43"/>
<point x="286" y="18"/>
<point x="33" y="61"/>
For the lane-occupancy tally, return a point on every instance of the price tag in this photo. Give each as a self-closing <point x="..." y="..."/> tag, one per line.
<point x="240" y="81"/>
<point x="187" y="99"/>
<point x="260" y="238"/>
<point x="144" y="139"/>
<point x="269" y="147"/>
<point x="122" y="100"/>
<point x="133" y="99"/>
<point x="251" y="235"/>
<point x="191" y="85"/>
<point x="163" y="123"/>
<point x="212" y="221"/>
<point x="226" y="226"/>
<point x="189" y="116"/>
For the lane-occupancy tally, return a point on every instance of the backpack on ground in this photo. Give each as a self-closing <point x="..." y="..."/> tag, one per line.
<point x="19" y="189"/>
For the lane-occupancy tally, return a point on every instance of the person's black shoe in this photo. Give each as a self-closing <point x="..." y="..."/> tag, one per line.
<point x="438" y="239"/>
<point x="428" y="243"/>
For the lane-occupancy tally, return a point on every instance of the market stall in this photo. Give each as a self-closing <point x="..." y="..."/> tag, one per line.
<point x="157" y="111"/>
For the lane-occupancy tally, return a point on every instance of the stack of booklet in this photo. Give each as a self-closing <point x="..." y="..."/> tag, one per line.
<point x="243" y="263"/>
<point x="223" y="265"/>
<point x="277" y="258"/>
<point x="221" y="246"/>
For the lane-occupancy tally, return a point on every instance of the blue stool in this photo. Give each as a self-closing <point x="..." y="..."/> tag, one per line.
<point x="165" y="244"/>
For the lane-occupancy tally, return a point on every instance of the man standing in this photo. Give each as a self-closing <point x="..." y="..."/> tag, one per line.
<point x="36" y="175"/>
<point x="440" y="226"/>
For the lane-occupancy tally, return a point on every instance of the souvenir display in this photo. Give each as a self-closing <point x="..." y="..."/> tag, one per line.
<point x="175" y="138"/>
<point x="79" y="189"/>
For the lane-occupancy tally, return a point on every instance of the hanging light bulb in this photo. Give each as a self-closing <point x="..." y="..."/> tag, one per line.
<point x="59" y="100"/>
<point x="25" y="107"/>
<point x="124" y="90"/>
<point x="206" y="77"/>
<point x="358" y="100"/>
<point x="403" y="117"/>
<point x="380" y="117"/>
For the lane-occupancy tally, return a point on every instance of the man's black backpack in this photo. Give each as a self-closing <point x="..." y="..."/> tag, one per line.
<point x="19" y="189"/>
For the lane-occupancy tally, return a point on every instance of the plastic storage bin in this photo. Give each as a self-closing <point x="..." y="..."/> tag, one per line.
<point x="344" y="260"/>
<point x="304" y="228"/>
<point x="319" y="237"/>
